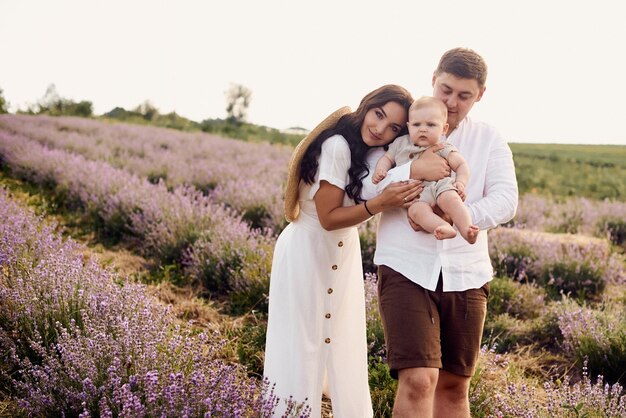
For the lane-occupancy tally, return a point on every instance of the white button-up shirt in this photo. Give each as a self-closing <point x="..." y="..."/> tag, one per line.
<point x="491" y="199"/>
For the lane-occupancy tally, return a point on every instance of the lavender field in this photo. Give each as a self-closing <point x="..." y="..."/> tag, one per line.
<point x="204" y="212"/>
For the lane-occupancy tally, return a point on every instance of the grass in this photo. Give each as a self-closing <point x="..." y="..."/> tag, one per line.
<point x="594" y="171"/>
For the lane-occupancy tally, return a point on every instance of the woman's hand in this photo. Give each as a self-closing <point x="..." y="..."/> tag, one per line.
<point x="401" y="194"/>
<point x="430" y="166"/>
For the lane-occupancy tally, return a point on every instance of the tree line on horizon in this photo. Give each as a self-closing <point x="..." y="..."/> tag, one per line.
<point x="235" y="125"/>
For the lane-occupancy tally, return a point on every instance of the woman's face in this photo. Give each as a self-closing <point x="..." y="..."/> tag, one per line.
<point x="383" y="124"/>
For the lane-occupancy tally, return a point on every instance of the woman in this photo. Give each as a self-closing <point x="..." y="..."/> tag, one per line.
<point x="316" y="328"/>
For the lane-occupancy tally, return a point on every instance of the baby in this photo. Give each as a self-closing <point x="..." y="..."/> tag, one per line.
<point x="427" y="122"/>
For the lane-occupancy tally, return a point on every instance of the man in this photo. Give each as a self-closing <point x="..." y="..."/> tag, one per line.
<point x="433" y="294"/>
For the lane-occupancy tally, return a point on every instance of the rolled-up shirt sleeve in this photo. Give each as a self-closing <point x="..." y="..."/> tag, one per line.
<point x="500" y="195"/>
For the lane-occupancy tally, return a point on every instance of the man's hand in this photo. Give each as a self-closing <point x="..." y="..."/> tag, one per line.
<point x="430" y="166"/>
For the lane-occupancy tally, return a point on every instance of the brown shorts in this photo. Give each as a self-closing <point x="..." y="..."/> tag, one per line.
<point x="436" y="329"/>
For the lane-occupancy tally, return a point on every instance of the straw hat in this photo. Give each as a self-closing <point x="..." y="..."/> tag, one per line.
<point x="292" y="208"/>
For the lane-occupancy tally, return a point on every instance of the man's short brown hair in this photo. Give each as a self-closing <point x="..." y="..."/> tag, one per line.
<point x="463" y="63"/>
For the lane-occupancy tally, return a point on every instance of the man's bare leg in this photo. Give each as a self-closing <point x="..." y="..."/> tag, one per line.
<point x="416" y="390"/>
<point x="452" y="396"/>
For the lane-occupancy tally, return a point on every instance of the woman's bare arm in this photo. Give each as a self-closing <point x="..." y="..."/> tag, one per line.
<point x="332" y="215"/>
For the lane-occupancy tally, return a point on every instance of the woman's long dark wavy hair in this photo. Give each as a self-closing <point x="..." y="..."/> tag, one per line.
<point x="349" y="126"/>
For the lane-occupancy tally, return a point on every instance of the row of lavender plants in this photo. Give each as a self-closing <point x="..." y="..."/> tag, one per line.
<point x="213" y="243"/>
<point x="572" y="264"/>
<point x="499" y="389"/>
<point x="577" y="265"/>
<point x="602" y="219"/>
<point x="562" y="292"/>
<point x="185" y="225"/>
<point x="247" y="176"/>
<point x="77" y="340"/>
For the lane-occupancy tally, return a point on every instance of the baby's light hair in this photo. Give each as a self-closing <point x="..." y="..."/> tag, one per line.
<point x="429" y="101"/>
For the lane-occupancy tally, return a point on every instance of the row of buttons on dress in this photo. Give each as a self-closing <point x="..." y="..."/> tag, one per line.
<point x="330" y="290"/>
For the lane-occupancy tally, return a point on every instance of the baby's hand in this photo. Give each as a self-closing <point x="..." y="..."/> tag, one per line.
<point x="378" y="176"/>
<point x="460" y="188"/>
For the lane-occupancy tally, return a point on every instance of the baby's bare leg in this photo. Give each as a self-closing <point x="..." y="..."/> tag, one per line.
<point x="450" y="202"/>
<point x="422" y="214"/>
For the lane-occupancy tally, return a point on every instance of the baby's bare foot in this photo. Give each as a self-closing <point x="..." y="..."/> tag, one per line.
<point x="471" y="234"/>
<point x="444" y="232"/>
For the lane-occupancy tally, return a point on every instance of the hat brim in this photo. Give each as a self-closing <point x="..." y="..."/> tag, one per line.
<point x="292" y="207"/>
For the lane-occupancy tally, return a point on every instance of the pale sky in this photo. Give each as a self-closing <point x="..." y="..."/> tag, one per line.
<point x="556" y="67"/>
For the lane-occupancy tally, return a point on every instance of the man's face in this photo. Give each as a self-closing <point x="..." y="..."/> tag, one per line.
<point x="459" y="95"/>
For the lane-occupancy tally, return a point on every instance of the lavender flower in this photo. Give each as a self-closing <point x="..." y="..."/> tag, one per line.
<point x="82" y="341"/>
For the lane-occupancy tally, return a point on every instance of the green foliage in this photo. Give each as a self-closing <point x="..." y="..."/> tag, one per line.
<point x="253" y="297"/>
<point x="615" y="228"/>
<point x="257" y="216"/>
<point x="514" y="260"/>
<point x="173" y="120"/>
<point x="501" y="292"/>
<point x="247" y="339"/>
<point x="54" y="105"/>
<point x="520" y="300"/>
<point x="382" y="388"/>
<point x="508" y="332"/>
<point x="594" y="171"/>
<point x="147" y="114"/>
<point x="227" y="266"/>
<point x="570" y="223"/>
<point x="49" y="312"/>
<point x="156" y="176"/>
<point x="66" y="107"/>
<point x="169" y="273"/>
<point x="517" y="315"/>
<point x="216" y="267"/>
<point x="367" y="238"/>
<point x="576" y="278"/>
<point x="237" y="101"/>
<point x="560" y="263"/>
<point x="147" y="110"/>
<point x="112" y="230"/>
<point x="4" y="106"/>
<point x="596" y="338"/>
<point x="248" y="132"/>
<point x="607" y="360"/>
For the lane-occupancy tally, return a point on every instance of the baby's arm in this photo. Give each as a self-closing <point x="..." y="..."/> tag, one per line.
<point x="383" y="165"/>
<point x="461" y="168"/>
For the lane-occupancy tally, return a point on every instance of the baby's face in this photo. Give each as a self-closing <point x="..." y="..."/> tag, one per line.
<point x="426" y="125"/>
